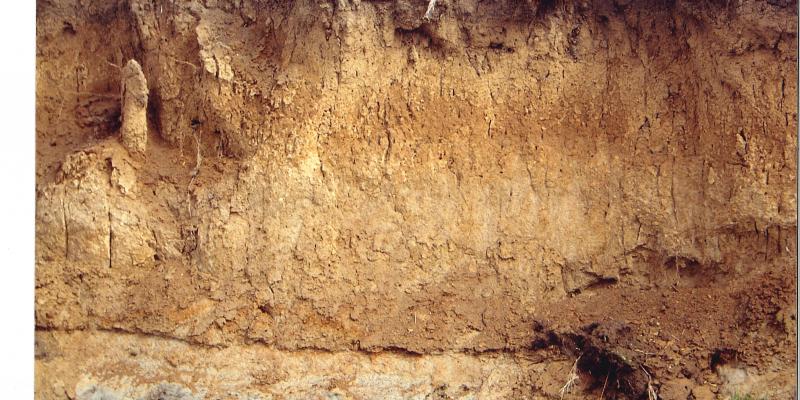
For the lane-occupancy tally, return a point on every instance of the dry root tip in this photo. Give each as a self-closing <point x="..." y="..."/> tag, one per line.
<point x="429" y="12"/>
<point x="572" y="379"/>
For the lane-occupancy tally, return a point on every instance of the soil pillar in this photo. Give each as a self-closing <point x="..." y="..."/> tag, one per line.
<point x="134" y="108"/>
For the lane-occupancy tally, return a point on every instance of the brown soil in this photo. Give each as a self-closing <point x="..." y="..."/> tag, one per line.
<point x="348" y="199"/>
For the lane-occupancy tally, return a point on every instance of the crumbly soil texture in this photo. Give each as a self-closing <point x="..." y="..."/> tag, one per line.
<point x="413" y="199"/>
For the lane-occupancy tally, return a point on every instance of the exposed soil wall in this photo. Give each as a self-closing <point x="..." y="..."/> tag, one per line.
<point x="348" y="199"/>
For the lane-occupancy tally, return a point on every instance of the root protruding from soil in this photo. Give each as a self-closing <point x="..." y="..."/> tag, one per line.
<point x="608" y="357"/>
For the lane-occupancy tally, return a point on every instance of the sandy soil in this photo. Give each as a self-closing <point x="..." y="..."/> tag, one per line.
<point x="350" y="200"/>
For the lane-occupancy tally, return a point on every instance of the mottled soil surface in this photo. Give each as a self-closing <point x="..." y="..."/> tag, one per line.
<point x="349" y="200"/>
